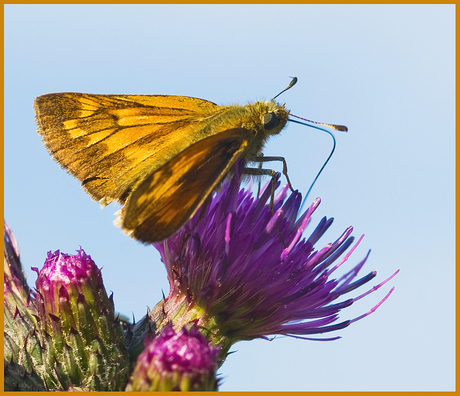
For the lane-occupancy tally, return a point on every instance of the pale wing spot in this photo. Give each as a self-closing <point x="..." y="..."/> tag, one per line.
<point x="71" y="124"/>
<point x="147" y="120"/>
<point x="135" y="120"/>
<point x="85" y="113"/>
<point x="98" y="136"/>
<point x="140" y="201"/>
<point x="133" y="116"/>
<point x="125" y="138"/>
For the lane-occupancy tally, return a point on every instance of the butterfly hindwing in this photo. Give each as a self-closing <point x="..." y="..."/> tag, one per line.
<point x="169" y="196"/>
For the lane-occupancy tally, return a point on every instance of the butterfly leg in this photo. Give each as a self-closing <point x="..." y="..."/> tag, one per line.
<point x="269" y="172"/>
<point x="258" y="184"/>
<point x="261" y="159"/>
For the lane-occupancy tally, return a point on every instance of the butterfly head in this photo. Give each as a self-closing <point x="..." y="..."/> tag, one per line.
<point x="267" y="118"/>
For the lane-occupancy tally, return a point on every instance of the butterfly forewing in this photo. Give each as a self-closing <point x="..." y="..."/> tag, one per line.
<point x="112" y="142"/>
<point x="168" y="197"/>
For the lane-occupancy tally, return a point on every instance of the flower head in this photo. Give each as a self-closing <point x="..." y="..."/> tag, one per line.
<point x="242" y="270"/>
<point x="173" y="361"/>
<point x="64" y="279"/>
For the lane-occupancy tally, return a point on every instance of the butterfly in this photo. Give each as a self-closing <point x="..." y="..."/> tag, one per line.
<point x="159" y="156"/>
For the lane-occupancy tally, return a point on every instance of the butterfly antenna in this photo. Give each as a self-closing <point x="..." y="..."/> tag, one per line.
<point x="322" y="127"/>
<point x="291" y="84"/>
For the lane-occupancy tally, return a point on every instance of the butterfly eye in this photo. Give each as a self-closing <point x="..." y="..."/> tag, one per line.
<point x="271" y="120"/>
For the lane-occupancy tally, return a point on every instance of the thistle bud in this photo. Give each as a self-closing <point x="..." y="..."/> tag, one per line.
<point x="182" y="361"/>
<point x="84" y="342"/>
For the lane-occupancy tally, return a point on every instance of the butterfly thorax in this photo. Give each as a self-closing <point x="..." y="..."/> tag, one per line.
<point x="251" y="118"/>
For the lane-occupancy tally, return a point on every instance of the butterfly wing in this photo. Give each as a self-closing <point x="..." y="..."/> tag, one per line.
<point x="112" y="142"/>
<point x="171" y="195"/>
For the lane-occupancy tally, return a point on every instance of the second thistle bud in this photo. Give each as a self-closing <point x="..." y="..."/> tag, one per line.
<point x="182" y="361"/>
<point x="22" y="343"/>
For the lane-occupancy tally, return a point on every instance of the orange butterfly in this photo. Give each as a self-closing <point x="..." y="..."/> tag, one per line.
<point x="160" y="156"/>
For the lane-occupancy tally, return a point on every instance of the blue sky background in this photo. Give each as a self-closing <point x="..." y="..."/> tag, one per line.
<point x="385" y="71"/>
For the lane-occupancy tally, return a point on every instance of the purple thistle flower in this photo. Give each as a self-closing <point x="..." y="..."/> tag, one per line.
<point x="243" y="271"/>
<point x="182" y="361"/>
